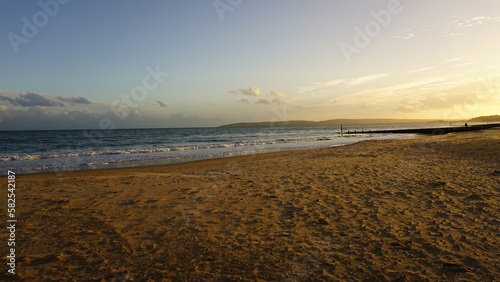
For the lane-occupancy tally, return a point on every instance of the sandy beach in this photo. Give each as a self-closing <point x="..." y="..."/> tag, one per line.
<point x="421" y="209"/>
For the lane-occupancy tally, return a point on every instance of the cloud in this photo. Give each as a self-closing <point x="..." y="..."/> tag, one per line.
<point x="251" y="91"/>
<point x="244" y="101"/>
<point x="433" y="94"/>
<point x="458" y="62"/>
<point x="75" y="100"/>
<point x="365" y="79"/>
<point x="278" y="101"/>
<point x="44" y="118"/>
<point x="319" y="85"/>
<point x="392" y="91"/>
<point x="234" y="92"/>
<point x="163" y="105"/>
<point x="276" y="94"/>
<point x="462" y="65"/>
<point x="462" y="23"/>
<point x="455" y="59"/>
<point x="440" y="97"/>
<point x="346" y="82"/>
<point x="263" y="102"/>
<point x="456" y="25"/>
<point x="406" y="34"/>
<point x="31" y="100"/>
<point x="39" y="118"/>
<point x="461" y="97"/>
<point x="33" y="111"/>
<point x="421" y="69"/>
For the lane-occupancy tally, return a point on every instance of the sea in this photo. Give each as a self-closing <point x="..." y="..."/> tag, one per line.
<point x="26" y="152"/>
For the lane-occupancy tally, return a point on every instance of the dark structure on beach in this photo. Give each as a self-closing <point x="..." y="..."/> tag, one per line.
<point x="434" y="131"/>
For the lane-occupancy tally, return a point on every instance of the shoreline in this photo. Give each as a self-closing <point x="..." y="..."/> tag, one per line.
<point x="166" y="161"/>
<point x="191" y="162"/>
<point x="424" y="208"/>
<point x="104" y="158"/>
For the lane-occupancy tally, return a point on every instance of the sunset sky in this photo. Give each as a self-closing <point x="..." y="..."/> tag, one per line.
<point x="129" y="64"/>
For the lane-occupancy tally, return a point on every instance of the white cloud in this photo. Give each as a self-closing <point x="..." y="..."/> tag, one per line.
<point x="455" y="59"/>
<point x="365" y="79"/>
<point x="421" y="69"/>
<point x="426" y="94"/>
<point x="431" y="97"/>
<point x="462" y="65"/>
<point x="456" y="25"/>
<point x="251" y="91"/>
<point x="464" y="97"/>
<point x="276" y="94"/>
<point x="405" y="34"/>
<point x="459" y="62"/>
<point x="346" y="82"/>
<point x="409" y="87"/>
<point x="319" y="85"/>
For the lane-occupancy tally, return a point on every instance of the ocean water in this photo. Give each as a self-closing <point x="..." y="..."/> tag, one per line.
<point x="55" y="151"/>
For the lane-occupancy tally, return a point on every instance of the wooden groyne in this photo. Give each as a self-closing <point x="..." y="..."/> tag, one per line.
<point x="432" y="131"/>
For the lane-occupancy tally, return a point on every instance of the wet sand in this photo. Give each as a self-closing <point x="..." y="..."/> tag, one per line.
<point x="422" y="209"/>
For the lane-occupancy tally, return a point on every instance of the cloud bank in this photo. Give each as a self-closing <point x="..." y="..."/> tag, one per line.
<point x="30" y="100"/>
<point x="30" y="111"/>
<point x="75" y="100"/>
<point x="279" y="97"/>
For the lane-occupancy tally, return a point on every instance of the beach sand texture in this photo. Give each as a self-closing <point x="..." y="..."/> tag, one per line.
<point x="421" y="209"/>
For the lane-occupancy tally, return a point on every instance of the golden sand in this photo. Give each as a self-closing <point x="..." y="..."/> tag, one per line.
<point x="422" y="209"/>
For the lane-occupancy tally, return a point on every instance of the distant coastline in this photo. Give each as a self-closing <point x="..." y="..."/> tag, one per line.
<point x="293" y="123"/>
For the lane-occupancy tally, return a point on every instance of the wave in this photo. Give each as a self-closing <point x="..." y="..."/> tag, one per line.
<point x="148" y="150"/>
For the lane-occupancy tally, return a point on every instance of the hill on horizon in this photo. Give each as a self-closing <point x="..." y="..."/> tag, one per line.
<point x="493" y="118"/>
<point x="332" y="122"/>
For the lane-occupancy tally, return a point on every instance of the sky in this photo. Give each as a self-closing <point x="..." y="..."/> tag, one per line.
<point x="132" y="64"/>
